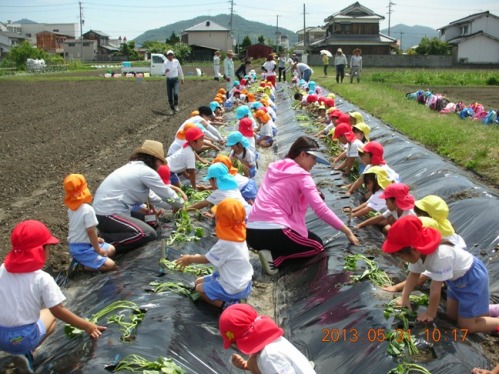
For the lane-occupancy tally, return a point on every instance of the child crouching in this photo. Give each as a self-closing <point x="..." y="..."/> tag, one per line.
<point x="231" y="281"/>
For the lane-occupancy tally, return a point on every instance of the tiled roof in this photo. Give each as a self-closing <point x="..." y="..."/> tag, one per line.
<point x="207" y="26"/>
<point x="353" y="39"/>
<point x="462" y="38"/>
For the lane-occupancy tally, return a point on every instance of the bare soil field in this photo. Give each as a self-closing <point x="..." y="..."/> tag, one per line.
<point x="52" y="128"/>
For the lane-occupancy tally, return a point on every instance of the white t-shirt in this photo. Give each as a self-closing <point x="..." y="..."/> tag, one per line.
<point x="282" y="357"/>
<point x="174" y="69"/>
<point x="241" y="180"/>
<point x="79" y="221"/>
<point x="353" y="148"/>
<point x="182" y="160"/>
<point x="376" y="203"/>
<point x="218" y="196"/>
<point x="392" y="175"/>
<point x="130" y="185"/>
<point x="266" y="129"/>
<point x="395" y="215"/>
<point x="249" y="157"/>
<point x="270" y="66"/>
<point x="232" y="262"/>
<point x="446" y="263"/>
<point x="23" y="295"/>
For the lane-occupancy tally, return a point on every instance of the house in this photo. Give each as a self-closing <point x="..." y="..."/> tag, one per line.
<point x="29" y="30"/>
<point x="75" y="49"/>
<point x="51" y="42"/>
<point x="354" y="27"/>
<point x="207" y="37"/>
<point x="104" y="49"/>
<point x="475" y="38"/>
<point x="311" y="35"/>
<point x="9" y="40"/>
<point x="258" y="51"/>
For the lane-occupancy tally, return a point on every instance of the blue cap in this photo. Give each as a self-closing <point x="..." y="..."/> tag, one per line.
<point x="214" y="105"/>
<point x="219" y="171"/>
<point x="256" y="105"/>
<point x="236" y="137"/>
<point x="236" y="83"/>
<point x="242" y="111"/>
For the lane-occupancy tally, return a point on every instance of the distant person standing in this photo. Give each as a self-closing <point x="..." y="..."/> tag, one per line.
<point x="229" y="74"/>
<point x="281" y="66"/>
<point x="356" y="65"/>
<point x="340" y="62"/>
<point x="216" y="65"/>
<point x="173" y="71"/>
<point x="294" y="57"/>
<point x="325" y="61"/>
<point x="303" y="71"/>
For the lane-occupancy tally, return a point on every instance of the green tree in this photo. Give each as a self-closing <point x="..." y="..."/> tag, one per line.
<point x="433" y="46"/>
<point x="128" y="49"/>
<point x="173" y="39"/>
<point x="20" y="53"/>
<point x="181" y="50"/>
<point x="154" y="46"/>
<point x="261" y="39"/>
<point x="246" y="42"/>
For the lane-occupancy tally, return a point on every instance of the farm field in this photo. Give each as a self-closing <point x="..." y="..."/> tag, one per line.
<point x="54" y="127"/>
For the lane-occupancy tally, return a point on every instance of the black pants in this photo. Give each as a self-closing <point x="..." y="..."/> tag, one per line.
<point x="325" y="69"/>
<point x="124" y="232"/>
<point x="282" y="71"/>
<point x="284" y="244"/>
<point x="340" y="73"/>
<point x="172" y="91"/>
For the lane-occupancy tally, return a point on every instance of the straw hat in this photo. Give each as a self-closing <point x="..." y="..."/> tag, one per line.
<point x="153" y="148"/>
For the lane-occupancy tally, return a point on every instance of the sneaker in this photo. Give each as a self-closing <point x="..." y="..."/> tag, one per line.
<point x="494" y="310"/>
<point x="267" y="262"/>
<point x="227" y="304"/>
<point x="176" y="109"/>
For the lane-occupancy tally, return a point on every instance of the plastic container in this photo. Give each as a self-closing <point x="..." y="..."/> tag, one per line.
<point x="126" y="64"/>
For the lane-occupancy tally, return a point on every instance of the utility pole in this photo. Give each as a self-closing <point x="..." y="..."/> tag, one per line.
<point x="304" y="33"/>
<point x="277" y="35"/>
<point x="390" y="15"/>
<point x="401" y="33"/>
<point x="231" y="14"/>
<point x="81" y="32"/>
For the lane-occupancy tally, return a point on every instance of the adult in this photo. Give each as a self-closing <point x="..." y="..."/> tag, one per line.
<point x="173" y="72"/>
<point x="128" y="187"/>
<point x="325" y="62"/>
<point x="303" y="71"/>
<point x="276" y="224"/>
<point x="281" y="67"/>
<point x="269" y="67"/>
<point x="294" y="58"/>
<point x="229" y="74"/>
<point x="216" y="65"/>
<point x="356" y="65"/>
<point x="241" y="71"/>
<point x="340" y="62"/>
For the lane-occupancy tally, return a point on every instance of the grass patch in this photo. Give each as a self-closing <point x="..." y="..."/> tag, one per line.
<point x="469" y="144"/>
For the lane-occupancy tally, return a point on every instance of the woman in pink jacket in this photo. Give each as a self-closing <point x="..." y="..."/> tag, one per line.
<point x="276" y="224"/>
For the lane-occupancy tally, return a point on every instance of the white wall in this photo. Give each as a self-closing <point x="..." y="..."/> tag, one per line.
<point x="34" y="28"/>
<point x="218" y="40"/>
<point x="479" y="50"/>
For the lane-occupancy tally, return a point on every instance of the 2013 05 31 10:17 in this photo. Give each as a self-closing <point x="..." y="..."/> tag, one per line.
<point x="436" y="335"/>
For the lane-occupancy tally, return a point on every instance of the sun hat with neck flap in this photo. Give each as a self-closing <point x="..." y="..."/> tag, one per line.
<point x="152" y="148"/>
<point x="77" y="192"/>
<point x="230" y="220"/>
<point x="27" y="253"/>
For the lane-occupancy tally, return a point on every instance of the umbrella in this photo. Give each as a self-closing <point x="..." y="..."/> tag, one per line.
<point x="326" y="52"/>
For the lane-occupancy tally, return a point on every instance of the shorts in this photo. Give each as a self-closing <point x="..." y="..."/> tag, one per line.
<point x="471" y="291"/>
<point x="84" y="253"/>
<point x="267" y="138"/>
<point x="249" y="190"/>
<point x="252" y="171"/>
<point x="214" y="290"/>
<point x="22" y="339"/>
<point x="174" y="179"/>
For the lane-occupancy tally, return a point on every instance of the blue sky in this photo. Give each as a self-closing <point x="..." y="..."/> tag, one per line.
<point x="131" y="18"/>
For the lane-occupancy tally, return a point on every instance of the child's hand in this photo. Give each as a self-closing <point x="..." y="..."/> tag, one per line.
<point x="94" y="331"/>
<point x="100" y="240"/>
<point x="183" y="261"/>
<point x="239" y="362"/>
<point x="425" y="317"/>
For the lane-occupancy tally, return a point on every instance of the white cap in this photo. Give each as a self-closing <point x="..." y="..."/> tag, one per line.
<point x="169" y="52"/>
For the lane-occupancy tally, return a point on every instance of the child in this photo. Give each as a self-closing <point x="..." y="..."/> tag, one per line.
<point x="244" y="127"/>
<point x="224" y="186"/>
<point x="400" y="203"/>
<point x="265" y="137"/>
<point x="484" y="371"/>
<point x="371" y="154"/>
<point x="361" y="131"/>
<point x="465" y="275"/>
<point x="232" y="279"/>
<point x="259" y="337"/>
<point x="31" y="300"/>
<point x="241" y="152"/>
<point x="84" y="244"/>
<point x="375" y="180"/>
<point x="184" y="160"/>
<point x="343" y="132"/>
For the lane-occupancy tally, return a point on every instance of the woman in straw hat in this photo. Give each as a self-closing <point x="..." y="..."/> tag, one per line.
<point x="133" y="184"/>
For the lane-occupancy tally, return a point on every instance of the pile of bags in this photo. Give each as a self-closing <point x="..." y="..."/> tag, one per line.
<point x="440" y="103"/>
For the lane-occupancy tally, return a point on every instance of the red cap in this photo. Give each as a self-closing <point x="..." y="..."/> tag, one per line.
<point x="376" y="150"/>
<point x="400" y="192"/>
<point x="194" y="133"/>
<point x="164" y="173"/>
<point x="344" y="129"/>
<point x="335" y="113"/>
<point x="27" y="253"/>
<point x="241" y="324"/>
<point x="311" y="98"/>
<point x="246" y="127"/>
<point x="408" y="231"/>
<point x="343" y="118"/>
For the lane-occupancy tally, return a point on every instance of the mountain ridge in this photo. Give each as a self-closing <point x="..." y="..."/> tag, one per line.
<point x="410" y="35"/>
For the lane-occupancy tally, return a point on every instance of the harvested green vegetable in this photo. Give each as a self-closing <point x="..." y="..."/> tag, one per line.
<point x="407" y="368"/>
<point x="197" y="270"/>
<point x="127" y="326"/>
<point x="402" y="338"/>
<point x="373" y="272"/>
<point x="176" y="287"/>
<point x="185" y="231"/>
<point x="136" y="363"/>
